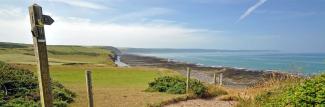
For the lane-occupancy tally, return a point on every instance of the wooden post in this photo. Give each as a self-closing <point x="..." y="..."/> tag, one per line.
<point x="215" y="79"/>
<point x="89" y="88"/>
<point x="188" y="79"/>
<point x="37" y="20"/>
<point x="220" y="78"/>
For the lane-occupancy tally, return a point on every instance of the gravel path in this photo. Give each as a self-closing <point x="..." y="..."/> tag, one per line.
<point x="215" y="102"/>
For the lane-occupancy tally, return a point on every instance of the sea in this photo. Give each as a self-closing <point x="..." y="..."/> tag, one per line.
<point x="304" y="63"/>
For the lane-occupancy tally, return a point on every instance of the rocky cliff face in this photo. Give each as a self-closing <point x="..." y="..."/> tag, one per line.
<point x="116" y="52"/>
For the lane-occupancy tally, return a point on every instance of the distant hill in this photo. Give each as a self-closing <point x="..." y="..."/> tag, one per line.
<point x="113" y="49"/>
<point x="58" y="54"/>
<point x="169" y="50"/>
<point x="12" y="45"/>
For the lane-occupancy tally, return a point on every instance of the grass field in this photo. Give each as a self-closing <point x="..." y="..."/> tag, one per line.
<point x="113" y="87"/>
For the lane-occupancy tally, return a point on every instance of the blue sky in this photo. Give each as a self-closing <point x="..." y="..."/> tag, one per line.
<point x="287" y="25"/>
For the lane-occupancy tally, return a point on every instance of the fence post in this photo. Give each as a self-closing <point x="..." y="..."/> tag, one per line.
<point x="220" y="78"/>
<point x="37" y="21"/>
<point x="89" y="88"/>
<point x="188" y="79"/>
<point x="215" y="79"/>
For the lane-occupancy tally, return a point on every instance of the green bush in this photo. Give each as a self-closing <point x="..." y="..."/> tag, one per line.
<point x="19" y="88"/>
<point x="311" y="92"/>
<point x="177" y="85"/>
<point x="198" y="88"/>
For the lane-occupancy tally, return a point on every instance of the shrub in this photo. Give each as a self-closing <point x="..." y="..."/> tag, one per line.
<point x="19" y="88"/>
<point x="310" y="92"/>
<point x="198" y="88"/>
<point x="177" y="88"/>
<point x="177" y="85"/>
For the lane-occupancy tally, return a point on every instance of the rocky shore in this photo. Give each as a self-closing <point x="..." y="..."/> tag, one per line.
<point x="232" y="77"/>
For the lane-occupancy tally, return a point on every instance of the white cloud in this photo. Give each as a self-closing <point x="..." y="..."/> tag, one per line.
<point x="125" y="35"/>
<point x="81" y="3"/>
<point x="14" y="25"/>
<point x="251" y="9"/>
<point x="79" y="31"/>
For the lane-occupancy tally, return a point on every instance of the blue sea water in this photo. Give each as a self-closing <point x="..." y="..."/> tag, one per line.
<point x="306" y="63"/>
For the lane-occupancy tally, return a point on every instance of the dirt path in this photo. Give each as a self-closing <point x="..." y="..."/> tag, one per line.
<point x="214" y="102"/>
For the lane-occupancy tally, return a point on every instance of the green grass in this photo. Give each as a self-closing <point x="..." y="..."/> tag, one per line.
<point x="109" y="76"/>
<point x="273" y="93"/>
<point x="58" y="54"/>
<point x="119" y="87"/>
<point x="112" y="86"/>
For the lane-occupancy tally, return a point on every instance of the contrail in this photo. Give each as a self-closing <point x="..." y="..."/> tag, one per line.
<point x="251" y="9"/>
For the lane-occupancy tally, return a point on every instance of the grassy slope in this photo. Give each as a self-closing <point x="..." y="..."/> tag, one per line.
<point x="24" y="54"/>
<point x="113" y="87"/>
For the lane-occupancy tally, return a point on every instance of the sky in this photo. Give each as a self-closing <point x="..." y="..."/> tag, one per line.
<point x="284" y="25"/>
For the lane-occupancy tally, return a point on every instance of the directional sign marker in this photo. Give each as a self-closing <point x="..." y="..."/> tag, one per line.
<point x="47" y="20"/>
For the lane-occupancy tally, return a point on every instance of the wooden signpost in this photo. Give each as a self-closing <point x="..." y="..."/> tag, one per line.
<point x="38" y="20"/>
